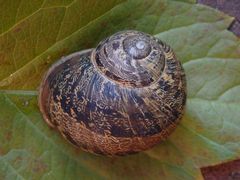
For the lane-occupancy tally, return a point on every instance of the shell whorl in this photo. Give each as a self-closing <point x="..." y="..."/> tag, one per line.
<point x="130" y="58"/>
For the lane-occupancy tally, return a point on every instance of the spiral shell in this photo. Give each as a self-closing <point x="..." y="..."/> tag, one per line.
<point x="131" y="58"/>
<point x="123" y="97"/>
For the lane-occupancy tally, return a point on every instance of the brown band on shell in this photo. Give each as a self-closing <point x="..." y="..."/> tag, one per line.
<point x="80" y="136"/>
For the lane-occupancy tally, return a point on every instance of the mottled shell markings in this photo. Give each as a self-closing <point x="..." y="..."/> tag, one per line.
<point x="120" y="98"/>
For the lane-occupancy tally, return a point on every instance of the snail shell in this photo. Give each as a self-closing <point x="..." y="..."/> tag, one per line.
<point x="122" y="97"/>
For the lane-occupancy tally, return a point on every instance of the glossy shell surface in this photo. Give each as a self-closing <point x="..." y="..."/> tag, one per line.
<point x="123" y="97"/>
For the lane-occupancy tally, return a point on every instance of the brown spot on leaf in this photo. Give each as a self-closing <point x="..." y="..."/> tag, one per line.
<point x="104" y="24"/>
<point x="2" y="152"/>
<point x="8" y="136"/>
<point x="18" y="159"/>
<point x="17" y="29"/>
<point x="39" y="166"/>
<point x="2" y="57"/>
<point x="88" y="44"/>
<point x="64" y="51"/>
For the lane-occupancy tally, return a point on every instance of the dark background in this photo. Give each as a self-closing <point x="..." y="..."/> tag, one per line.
<point x="231" y="7"/>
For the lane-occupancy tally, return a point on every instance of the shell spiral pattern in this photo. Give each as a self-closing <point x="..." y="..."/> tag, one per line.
<point x="123" y="97"/>
<point x="131" y="58"/>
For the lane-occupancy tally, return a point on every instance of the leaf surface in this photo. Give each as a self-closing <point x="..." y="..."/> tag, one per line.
<point x="36" y="35"/>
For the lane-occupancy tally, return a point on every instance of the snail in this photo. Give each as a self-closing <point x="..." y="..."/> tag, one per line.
<point x="122" y="97"/>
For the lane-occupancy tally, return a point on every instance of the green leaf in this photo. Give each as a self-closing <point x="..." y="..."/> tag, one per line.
<point x="34" y="35"/>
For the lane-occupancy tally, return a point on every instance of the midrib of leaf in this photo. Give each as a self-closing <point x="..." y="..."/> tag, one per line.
<point x="19" y="92"/>
<point x="35" y="93"/>
<point x="32" y="125"/>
